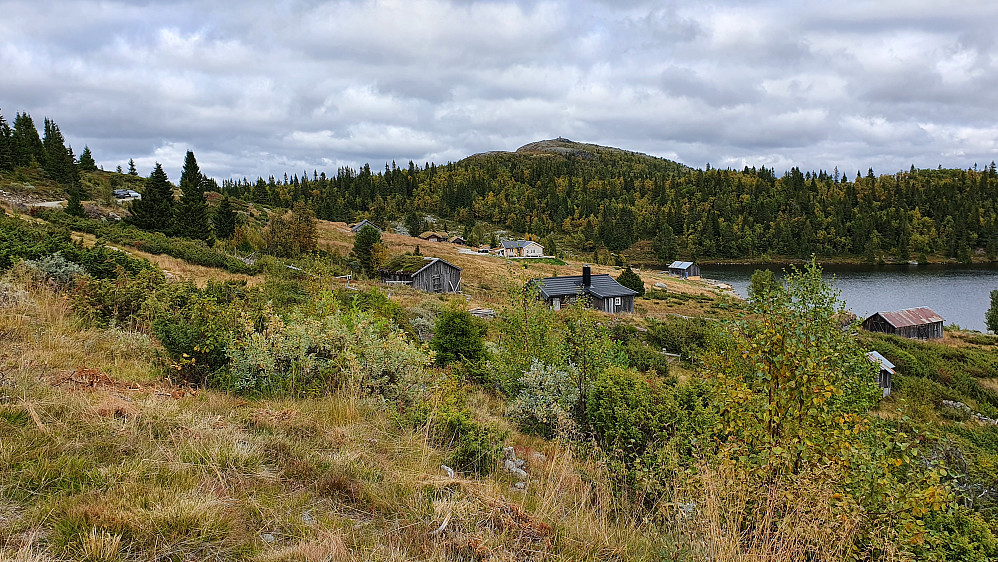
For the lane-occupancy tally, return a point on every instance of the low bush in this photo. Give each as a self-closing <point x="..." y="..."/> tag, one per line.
<point x="626" y="413"/>
<point x="55" y="269"/>
<point x="127" y="301"/>
<point x="689" y="337"/>
<point x="305" y="355"/>
<point x="458" y="336"/>
<point x="548" y="396"/>
<point x="197" y="335"/>
<point x="192" y="251"/>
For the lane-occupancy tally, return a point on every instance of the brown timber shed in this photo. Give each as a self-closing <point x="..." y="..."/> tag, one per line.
<point x="432" y="275"/>
<point x="916" y="323"/>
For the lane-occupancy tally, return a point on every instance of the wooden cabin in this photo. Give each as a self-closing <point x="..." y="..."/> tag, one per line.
<point x="432" y="275"/>
<point x="601" y="292"/>
<point x="920" y="323"/>
<point x="431" y="236"/>
<point x="356" y="227"/>
<point x="885" y="373"/>
<point x="684" y="270"/>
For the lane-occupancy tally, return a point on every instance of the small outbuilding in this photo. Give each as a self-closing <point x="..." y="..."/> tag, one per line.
<point x="920" y="323"/>
<point x="356" y="227"/>
<point x="432" y="275"/>
<point x="601" y="292"/>
<point x="886" y="371"/>
<point x="458" y="240"/>
<point x="684" y="270"/>
<point x="521" y="249"/>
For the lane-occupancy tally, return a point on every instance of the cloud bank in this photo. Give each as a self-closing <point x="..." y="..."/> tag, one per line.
<point x="260" y="88"/>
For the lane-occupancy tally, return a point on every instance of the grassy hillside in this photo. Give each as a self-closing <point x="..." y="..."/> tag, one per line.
<point x="287" y="416"/>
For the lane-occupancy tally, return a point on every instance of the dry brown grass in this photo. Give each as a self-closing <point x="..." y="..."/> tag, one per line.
<point x="723" y="513"/>
<point x="104" y="460"/>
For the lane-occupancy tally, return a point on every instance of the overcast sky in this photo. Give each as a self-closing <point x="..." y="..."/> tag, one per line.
<point x="260" y="88"/>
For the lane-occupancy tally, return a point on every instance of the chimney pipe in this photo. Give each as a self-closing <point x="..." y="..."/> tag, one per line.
<point x="587" y="276"/>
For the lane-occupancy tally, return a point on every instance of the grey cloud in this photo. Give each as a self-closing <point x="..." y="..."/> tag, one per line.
<point x="258" y="88"/>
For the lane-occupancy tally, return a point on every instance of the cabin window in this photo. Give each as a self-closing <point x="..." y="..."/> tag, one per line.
<point x="616" y="301"/>
<point x="556" y="303"/>
<point x="437" y="286"/>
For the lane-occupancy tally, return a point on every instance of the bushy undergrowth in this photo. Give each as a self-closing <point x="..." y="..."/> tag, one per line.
<point x="193" y="251"/>
<point x="351" y="350"/>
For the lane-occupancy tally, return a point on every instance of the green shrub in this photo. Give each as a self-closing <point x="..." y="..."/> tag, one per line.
<point x="458" y="336"/>
<point x="689" y="337"/>
<point x="477" y="447"/>
<point x="55" y="268"/>
<point x="632" y="280"/>
<point x="626" y="413"/>
<point x="352" y="350"/>
<point x="548" y="396"/>
<point x="125" y="301"/>
<point x="197" y="335"/>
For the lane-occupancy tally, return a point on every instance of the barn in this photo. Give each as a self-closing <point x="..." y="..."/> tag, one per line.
<point x="684" y="269"/>
<point x="601" y="292"/>
<point x="920" y="323"/>
<point x="432" y="275"/>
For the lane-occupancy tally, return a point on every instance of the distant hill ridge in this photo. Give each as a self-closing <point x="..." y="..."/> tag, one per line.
<point x="595" y="154"/>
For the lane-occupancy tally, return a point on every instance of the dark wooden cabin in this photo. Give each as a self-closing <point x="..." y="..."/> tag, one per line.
<point x="601" y="292"/>
<point x="684" y="269"/>
<point x="432" y="275"/>
<point x="885" y="373"/>
<point x="356" y="227"/>
<point x="916" y="323"/>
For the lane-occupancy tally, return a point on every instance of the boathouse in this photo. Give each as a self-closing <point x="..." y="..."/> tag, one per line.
<point x="920" y="323"/>
<point x="601" y="292"/>
<point x="432" y="275"/>
<point x="684" y="269"/>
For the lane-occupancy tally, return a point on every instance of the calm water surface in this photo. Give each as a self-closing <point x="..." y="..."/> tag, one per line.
<point x="960" y="294"/>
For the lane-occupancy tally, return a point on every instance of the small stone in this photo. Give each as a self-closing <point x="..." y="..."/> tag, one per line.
<point x="448" y="470"/>
<point x="267" y="537"/>
<point x="520" y="486"/>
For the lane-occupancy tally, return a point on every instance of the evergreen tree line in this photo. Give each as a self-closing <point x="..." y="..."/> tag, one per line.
<point x="601" y="198"/>
<point x="188" y="215"/>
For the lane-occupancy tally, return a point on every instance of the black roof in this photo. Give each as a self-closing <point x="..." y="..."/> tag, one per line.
<point x="602" y="286"/>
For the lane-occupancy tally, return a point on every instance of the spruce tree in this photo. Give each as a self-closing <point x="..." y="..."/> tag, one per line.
<point x="6" y="145"/>
<point x="155" y="210"/>
<point x="192" y="211"/>
<point x="225" y="219"/>
<point x="632" y="280"/>
<point x="131" y="168"/>
<point x="87" y="163"/>
<point x="363" y="247"/>
<point x="75" y="205"/>
<point x="28" y="148"/>
<point x="991" y="316"/>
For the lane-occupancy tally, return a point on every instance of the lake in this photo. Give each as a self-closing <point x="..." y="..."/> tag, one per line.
<point x="958" y="293"/>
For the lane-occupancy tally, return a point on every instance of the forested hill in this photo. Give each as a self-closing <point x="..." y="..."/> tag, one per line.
<point x="587" y="197"/>
<point x="590" y="196"/>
